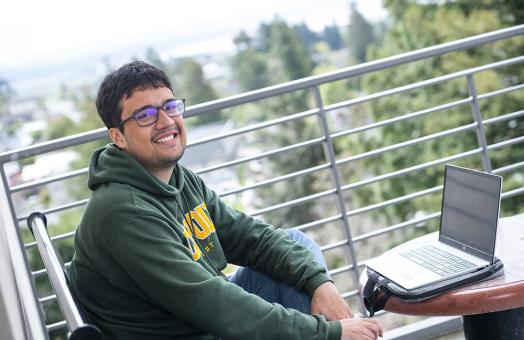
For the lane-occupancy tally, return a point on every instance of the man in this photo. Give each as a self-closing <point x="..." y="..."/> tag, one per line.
<point x="154" y="239"/>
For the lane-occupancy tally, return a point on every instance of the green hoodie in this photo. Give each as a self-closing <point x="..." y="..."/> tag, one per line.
<point x="143" y="269"/>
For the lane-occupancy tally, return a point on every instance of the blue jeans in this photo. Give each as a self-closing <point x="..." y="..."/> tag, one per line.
<point x="260" y="284"/>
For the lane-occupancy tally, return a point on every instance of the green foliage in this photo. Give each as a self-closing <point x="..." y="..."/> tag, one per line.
<point x="290" y="52"/>
<point x="190" y="83"/>
<point x="6" y="94"/>
<point x="331" y="35"/>
<point x="360" y="35"/>
<point x="417" y="25"/>
<point x="308" y="37"/>
<point x="249" y="65"/>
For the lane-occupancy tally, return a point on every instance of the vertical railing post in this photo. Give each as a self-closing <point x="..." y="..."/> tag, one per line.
<point x="28" y="310"/>
<point x="329" y="151"/>
<point x="481" y="133"/>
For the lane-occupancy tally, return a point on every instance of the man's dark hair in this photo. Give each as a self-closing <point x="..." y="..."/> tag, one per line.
<point x="122" y="83"/>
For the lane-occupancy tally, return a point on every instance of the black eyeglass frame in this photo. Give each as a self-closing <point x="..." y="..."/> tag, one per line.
<point x="157" y="115"/>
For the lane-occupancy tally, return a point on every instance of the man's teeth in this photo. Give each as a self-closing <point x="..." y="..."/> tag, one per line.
<point x="165" y="139"/>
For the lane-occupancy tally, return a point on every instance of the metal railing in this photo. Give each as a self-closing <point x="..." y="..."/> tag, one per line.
<point x="336" y="188"/>
<point x="78" y="329"/>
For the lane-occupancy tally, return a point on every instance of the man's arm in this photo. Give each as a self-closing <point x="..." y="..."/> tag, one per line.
<point x="153" y="255"/>
<point x="326" y="300"/>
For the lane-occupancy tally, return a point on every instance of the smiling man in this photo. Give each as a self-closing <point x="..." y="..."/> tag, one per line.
<point x="154" y="239"/>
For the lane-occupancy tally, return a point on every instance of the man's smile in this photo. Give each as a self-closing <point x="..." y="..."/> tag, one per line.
<point x="166" y="137"/>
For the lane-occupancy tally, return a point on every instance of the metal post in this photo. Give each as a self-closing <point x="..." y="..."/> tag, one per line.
<point x="330" y="155"/>
<point x="481" y="133"/>
<point x="27" y="310"/>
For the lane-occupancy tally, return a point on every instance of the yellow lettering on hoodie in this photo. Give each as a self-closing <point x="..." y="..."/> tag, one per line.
<point x="191" y="244"/>
<point x="201" y="225"/>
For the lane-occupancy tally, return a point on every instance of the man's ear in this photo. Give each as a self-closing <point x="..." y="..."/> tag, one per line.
<point x="118" y="137"/>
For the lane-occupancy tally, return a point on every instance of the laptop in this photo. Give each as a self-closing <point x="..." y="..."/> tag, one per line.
<point x="467" y="234"/>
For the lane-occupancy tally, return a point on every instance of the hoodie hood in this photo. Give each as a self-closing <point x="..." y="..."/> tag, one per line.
<point x="110" y="164"/>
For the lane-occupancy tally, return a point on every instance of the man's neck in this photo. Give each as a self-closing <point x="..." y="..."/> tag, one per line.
<point x="163" y="174"/>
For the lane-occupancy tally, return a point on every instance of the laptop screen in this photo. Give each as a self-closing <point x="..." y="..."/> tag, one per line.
<point x="470" y="211"/>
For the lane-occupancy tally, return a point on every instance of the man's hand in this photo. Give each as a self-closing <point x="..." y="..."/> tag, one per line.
<point x="326" y="300"/>
<point x="360" y="329"/>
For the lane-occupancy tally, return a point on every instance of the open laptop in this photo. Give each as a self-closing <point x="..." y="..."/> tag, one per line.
<point x="466" y="242"/>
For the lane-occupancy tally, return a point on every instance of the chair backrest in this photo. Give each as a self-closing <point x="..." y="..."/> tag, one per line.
<point x="78" y="329"/>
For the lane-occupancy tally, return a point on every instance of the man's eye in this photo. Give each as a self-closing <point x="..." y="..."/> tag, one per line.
<point x="145" y="114"/>
<point x="171" y="106"/>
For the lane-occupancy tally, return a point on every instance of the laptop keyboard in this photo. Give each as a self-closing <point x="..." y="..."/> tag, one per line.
<point x="438" y="261"/>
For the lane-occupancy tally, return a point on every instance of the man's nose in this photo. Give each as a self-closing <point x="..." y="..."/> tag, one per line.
<point x="164" y="120"/>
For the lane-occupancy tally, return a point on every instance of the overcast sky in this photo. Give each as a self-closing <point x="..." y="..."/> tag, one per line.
<point x="52" y="31"/>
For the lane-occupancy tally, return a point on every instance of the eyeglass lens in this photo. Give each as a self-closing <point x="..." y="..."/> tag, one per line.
<point x="149" y="115"/>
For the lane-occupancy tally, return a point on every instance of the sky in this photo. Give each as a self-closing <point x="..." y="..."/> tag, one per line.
<point x="40" y="32"/>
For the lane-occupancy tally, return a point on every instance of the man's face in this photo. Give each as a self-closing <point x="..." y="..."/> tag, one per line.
<point x="157" y="146"/>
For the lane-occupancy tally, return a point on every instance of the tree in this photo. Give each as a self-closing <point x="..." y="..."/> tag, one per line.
<point x="417" y="25"/>
<point x="281" y="56"/>
<point x="290" y="51"/>
<point x="249" y="65"/>
<point x="6" y="94"/>
<point x="154" y="59"/>
<point x="308" y="37"/>
<point x="189" y="82"/>
<point x="360" y="34"/>
<point x="331" y="35"/>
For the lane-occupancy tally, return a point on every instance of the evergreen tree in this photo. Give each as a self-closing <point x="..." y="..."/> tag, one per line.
<point x="418" y="25"/>
<point x="308" y="37"/>
<point x="331" y="35"/>
<point x="360" y="34"/>
<point x="189" y="82"/>
<point x="6" y="93"/>
<point x="249" y="65"/>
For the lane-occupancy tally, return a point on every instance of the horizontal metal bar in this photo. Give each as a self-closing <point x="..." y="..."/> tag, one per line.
<point x="34" y="184"/>
<point x="47" y="299"/>
<point x="505" y="143"/>
<point x="394" y="201"/>
<point x="424" y="83"/>
<point x="255" y="127"/>
<point x="512" y="193"/>
<point x="502" y="118"/>
<point x="318" y="222"/>
<point x="501" y="91"/>
<point x="53" y="238"/>
<point x="53" y="145"/>
<point x="391" y="228"/>
<point x="410" y="142"/>
<point x="508" y="168"/>
<point x="405" y="171"/>
<point x="293" y="202"/>
<point x="347" y="295"/>
<point x="430" y="328"/>
<point x="341" y="270"/>
<point x="276" y="179"/>
<point x="261" y="155"/>
<point x="408" y="116"/>
<point x="56" y="325"/>
<point x="357" y="70"/>
<point x="42" y="272"/>
<point x="59" y="208"/>
<point x="334" y="245"/>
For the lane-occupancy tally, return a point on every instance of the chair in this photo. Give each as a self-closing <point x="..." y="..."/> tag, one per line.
<point x="78" y="329"/>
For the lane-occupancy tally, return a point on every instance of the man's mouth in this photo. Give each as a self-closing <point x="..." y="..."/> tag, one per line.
<point x="166" y="138"/>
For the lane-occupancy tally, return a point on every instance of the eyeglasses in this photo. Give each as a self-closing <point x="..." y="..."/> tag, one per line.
<point x="149" y="115"/>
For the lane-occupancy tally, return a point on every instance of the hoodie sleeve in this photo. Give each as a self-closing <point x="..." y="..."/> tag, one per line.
<point x="247" y="241"/>
<point x="158" y="262"/>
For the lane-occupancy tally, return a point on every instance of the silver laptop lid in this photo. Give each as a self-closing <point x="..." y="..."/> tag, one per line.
<point x="470" y="211"/>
